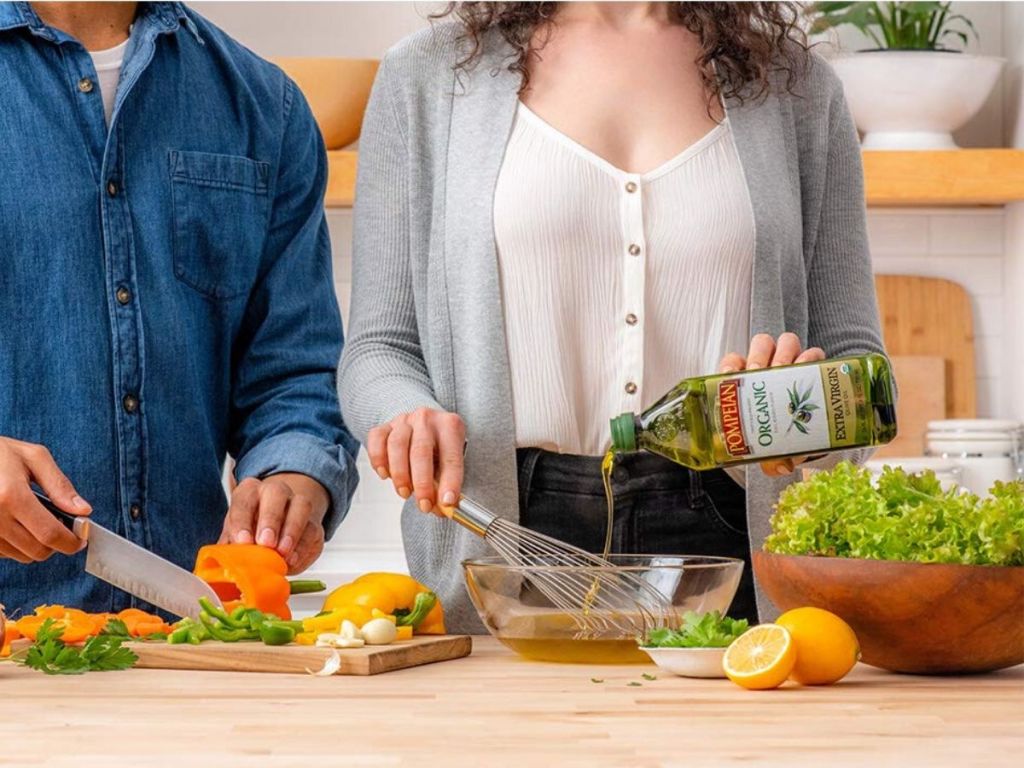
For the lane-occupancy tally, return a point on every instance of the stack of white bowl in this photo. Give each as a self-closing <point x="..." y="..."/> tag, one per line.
<point x="984" y="450"/>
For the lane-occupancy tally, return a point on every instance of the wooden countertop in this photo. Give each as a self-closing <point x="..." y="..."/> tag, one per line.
<point x="493" y="709"/>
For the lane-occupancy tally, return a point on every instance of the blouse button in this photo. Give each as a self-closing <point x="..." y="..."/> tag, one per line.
<point x="631" y="319"/>
<point x="630" y="388"/>
<point x="631" y="187"/>
<point x="634" y="249"/>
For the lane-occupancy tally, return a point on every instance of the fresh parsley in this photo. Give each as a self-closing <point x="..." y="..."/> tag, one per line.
<point x="115" y="627"/>
<point x="51" y="655"/>
<point x="909" y="517"/>
<point x="699" y="630"/>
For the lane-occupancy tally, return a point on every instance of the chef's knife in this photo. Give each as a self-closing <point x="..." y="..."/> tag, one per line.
<point x="134" y="569"/>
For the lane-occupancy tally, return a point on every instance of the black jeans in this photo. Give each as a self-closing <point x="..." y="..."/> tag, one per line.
<point x="661" y="508"/>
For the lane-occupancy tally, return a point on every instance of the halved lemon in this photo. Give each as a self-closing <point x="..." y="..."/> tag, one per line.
<point x="760" y="658"/>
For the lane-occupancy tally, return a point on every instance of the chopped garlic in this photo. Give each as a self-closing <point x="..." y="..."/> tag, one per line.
<point x="348" y="636"/>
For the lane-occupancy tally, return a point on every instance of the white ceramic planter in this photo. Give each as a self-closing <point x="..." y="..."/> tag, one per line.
<point x="915" y="99"/>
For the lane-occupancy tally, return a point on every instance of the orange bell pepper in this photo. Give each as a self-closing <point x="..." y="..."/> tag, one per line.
<point x="246" y="574"/>
<point x="139" y="623"/>
<point x="11" y="634"/>
<point x="77" y="625"/>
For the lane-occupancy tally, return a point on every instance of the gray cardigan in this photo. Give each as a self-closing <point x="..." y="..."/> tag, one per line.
<point x="426" y="326"/>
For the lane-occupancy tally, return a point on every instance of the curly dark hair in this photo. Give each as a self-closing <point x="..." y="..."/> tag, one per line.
<point x="748" y="43"/>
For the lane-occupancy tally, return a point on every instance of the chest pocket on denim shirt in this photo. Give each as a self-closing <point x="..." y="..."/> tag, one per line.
<point x="219" y="207"/>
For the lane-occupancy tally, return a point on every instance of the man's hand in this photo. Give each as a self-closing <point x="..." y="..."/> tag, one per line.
<point x="284" y="511"/>
<point x="28" y="532"/>
<point x="765" y="351"/>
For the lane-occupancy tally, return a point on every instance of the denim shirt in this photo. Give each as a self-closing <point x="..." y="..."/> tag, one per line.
<point x="166" y="295"/>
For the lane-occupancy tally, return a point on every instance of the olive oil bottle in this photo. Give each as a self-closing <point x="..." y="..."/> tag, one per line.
<point x="794" y="410"/>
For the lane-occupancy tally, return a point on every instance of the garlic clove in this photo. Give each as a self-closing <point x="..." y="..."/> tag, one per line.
<point x="379" y="632"/>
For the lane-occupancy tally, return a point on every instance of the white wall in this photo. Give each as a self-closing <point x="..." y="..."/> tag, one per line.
<point x="351" y="29"/>
<point x="1013" y="48"/>
<point x="963" y="245"/>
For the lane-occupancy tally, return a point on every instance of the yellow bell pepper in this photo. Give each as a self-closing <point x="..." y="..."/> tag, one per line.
<point x="330" y="621"/>
<point x="392" y="594"/>
<point x="306" y="638"/>
<point x="404" y="633"/>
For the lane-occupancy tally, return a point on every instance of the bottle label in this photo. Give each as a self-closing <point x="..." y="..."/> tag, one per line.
<point x="776" y="412"/>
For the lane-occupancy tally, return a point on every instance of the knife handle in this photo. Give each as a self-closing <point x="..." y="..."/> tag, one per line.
<point x="67" y="520"/>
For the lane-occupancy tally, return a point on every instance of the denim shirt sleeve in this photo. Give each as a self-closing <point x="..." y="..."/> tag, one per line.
<point x="285" y="415"/>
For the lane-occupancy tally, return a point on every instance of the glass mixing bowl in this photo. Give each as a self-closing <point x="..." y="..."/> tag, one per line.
<point x="525" y="620"/>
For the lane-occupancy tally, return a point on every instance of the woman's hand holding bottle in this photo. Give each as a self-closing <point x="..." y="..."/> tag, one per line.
<point x="422" y="454"/>
<point x="765" y="352"/>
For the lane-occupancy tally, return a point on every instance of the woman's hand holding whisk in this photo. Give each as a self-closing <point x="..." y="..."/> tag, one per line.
<point x="422" y="454"/>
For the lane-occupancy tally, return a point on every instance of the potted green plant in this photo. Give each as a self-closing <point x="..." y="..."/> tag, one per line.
<point x="916" y="85"/>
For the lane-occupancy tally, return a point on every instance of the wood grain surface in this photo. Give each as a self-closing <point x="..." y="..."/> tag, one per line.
<point x="931" y="316"/>
<point x="922" y="385"/>
<point x="341" y="178"/>
<point x="954" y="177"/>
<point x="256" y="657"/>
<point x="493" y="709"/>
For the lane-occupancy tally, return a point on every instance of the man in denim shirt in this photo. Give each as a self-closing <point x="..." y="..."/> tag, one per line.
<point x="165" y="294"/>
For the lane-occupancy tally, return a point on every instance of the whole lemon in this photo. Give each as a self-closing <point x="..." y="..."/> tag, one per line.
<point x="826" y="646"/>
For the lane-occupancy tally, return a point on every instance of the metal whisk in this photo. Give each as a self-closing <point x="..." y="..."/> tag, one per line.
<point x="600" y="598"/>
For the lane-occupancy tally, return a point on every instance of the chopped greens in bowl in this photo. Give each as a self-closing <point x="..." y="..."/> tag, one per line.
<point x="699" y="630"/>
<point x="908" y="517"/>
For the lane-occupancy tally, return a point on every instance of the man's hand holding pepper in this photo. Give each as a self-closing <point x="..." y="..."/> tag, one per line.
<point x="283" y="511"/>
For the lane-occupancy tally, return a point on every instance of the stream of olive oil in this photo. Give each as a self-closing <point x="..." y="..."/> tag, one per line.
<point x="607" y="465"/>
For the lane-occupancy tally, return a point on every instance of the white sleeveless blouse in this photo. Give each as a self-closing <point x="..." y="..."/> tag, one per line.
<point x="615" y="285"/>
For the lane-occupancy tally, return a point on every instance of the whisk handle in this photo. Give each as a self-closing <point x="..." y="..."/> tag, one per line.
<point x="471" y="515"/>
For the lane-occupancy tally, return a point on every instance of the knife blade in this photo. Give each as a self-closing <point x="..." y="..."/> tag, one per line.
<point x="136" y="570"/>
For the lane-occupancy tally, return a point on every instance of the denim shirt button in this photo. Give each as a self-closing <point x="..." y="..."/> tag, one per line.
<point x="123" y="295"/>
<point x="135" y="511"/>
<point x="130" y="403"/>
<point x="112" y="188"/>
<point x="85" y="85"/>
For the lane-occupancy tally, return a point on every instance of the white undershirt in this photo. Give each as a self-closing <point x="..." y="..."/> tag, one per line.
<point x="594" y="329"/>
<point x="108" y="72"/>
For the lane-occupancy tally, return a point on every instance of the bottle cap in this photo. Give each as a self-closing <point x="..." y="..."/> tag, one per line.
<point x="624" y="432"/>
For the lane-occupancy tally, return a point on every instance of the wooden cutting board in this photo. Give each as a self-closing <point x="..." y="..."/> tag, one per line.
<point x="922" y="384"/>
<point x="928" y="316"/>
<point x="256" y="657"/>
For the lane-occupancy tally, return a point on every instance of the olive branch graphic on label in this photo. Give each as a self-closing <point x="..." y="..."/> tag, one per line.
<point x="800" y="408"/>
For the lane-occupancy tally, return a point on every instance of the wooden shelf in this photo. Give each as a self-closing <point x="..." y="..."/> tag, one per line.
<point x="959" y="177"/>
<point x="341" y="178"/>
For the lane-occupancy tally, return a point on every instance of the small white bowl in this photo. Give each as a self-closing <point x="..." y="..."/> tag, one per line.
<point x="688" y="662"/>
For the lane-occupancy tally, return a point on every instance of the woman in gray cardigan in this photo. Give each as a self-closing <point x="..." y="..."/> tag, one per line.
<point x="561" y="210"/>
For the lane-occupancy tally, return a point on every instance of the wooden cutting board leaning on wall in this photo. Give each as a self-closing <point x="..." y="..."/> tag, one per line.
<point x="928" y="327"/>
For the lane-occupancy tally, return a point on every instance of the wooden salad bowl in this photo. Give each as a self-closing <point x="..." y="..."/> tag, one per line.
<point x="921" y="618"/>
